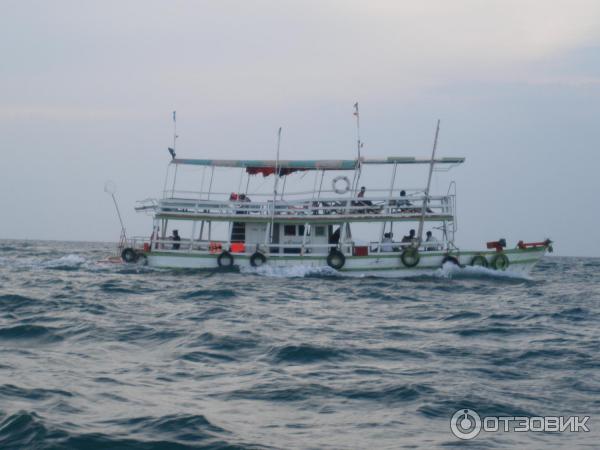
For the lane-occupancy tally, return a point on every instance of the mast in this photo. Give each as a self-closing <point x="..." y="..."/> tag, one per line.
<point x="426" y="197"/>
<point x="275" y="182"/>
<point x="174" y="147"/>
<point x="359" y="145"/>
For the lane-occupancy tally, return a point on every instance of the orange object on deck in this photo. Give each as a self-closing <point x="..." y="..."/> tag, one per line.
<point x="238" y="247"/>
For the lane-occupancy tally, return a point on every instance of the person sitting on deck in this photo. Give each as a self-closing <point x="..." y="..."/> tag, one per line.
<point x="176" y="237"/>
<point x="361" y="194"/>
<point x="403" y="203"/>
<point x="435" y="244"/>
<point x="410" y="238"/>
<point x="242" y="198"/>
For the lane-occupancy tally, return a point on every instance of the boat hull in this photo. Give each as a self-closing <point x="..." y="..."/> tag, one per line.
<point x="521" y="261"/>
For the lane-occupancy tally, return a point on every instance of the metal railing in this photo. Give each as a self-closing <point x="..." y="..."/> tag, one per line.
<point x="193" y="246"/>
<point x="372" y="205"/>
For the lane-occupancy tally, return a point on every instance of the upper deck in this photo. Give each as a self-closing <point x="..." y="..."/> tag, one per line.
<point x="342" y="202"/>
<point x="322" y="210"/>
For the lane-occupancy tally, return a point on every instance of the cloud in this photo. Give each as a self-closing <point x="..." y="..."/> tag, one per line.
<point x="272" y="51"/>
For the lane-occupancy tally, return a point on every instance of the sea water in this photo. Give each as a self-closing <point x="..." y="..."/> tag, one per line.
<point x="96" y="355"/>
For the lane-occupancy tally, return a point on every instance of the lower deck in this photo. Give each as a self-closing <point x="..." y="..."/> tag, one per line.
<point x="519" y="261"/>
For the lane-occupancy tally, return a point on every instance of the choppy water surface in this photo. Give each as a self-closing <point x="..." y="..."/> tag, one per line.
<point x="106" y="356"/>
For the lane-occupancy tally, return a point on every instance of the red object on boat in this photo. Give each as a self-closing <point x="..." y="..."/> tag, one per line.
<point x="360" y="251"/>
<point x="498" y="245"/>
<point x="238" y="247"/>
<point x="523" y="245"/>
<point x="215" y="247"/>
<point x="146" y="246"/>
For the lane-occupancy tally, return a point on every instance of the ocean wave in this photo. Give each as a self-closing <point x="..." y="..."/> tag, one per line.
<point x="13" y="302"/>
<point x="209" y="294"/>
<point x="38" y="333"/>
<point x="175" y="432"/>
<point x="305" y="354"/>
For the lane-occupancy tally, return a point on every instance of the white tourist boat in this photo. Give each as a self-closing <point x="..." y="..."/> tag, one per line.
<point x="312" y="228"/>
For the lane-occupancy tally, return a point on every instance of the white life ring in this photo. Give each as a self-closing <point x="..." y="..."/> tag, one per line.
<point x="342" y="190"/>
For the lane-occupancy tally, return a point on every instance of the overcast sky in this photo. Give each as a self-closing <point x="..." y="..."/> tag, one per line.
<point x="87" y="90"/>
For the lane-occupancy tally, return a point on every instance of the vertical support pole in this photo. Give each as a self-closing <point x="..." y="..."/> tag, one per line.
<point x="212" y="174"/>
<point x="193" y="234"/>
<point x="304" y="238"/>
<point x="275" y="182"/>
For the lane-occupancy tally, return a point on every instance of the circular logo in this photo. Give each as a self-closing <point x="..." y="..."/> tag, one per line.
<point x="465" y="424"/>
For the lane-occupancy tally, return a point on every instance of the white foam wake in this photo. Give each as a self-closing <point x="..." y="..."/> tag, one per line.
<point x="70" y="260"/>
<point x="450" y="270"/>
<point x="291" y="271"/>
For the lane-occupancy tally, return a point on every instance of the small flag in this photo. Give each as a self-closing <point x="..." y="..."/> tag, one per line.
<point x="172" y="152"/>
<point x="174" y="116"/>
<point x="355" y="109"/>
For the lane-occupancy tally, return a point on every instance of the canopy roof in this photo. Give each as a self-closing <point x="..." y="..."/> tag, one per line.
<point x="255" y="165"/>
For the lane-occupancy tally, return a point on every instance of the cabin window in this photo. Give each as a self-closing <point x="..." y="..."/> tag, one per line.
<point x="320" y="231"/>
<point x="300" y="230"/>
<point x="289" y="230"/>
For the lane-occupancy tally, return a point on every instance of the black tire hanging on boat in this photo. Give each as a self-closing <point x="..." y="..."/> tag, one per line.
<point x="257" y="259"/>
<point x="410" y="257"/>
<point x="336" y="259"/>
<point x="479" y="261"/>
<point x="225" y="259"/>
<point x="500" y="261"/>
<point x="129" y="255"/>
<point x="451" y="259"/>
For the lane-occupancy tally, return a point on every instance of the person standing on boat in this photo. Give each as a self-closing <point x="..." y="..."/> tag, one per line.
<point x="386" y="243"/>
<point x="176" y="237"/>
<point x="435" y="244"/>
<point x="361" y="194"/>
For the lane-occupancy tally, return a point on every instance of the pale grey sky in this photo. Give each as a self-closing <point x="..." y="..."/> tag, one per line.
<point x="87" y="90"/>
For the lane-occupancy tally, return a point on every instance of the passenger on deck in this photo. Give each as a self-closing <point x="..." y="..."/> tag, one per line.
<point x="335" y="237"/>
<point x="176" y="237"/>
<point x="243" y="199"/>
<point x="233" y="197"/>
<point x="361" y="194"/>
<point x="435" y="244"/>
<point x="403" y="203"/>
<point x="386" y="243"/>
<point x="410" y="238"/>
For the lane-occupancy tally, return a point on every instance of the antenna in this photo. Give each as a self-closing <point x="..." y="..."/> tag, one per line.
<point x="358" y="141"/>
<point x="175" y="131"/>
<point x="174" y="152"/>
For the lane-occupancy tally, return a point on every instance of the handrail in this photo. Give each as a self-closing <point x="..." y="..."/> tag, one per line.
<point x="204" y="246"/>
<point x="372" y="205"/>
